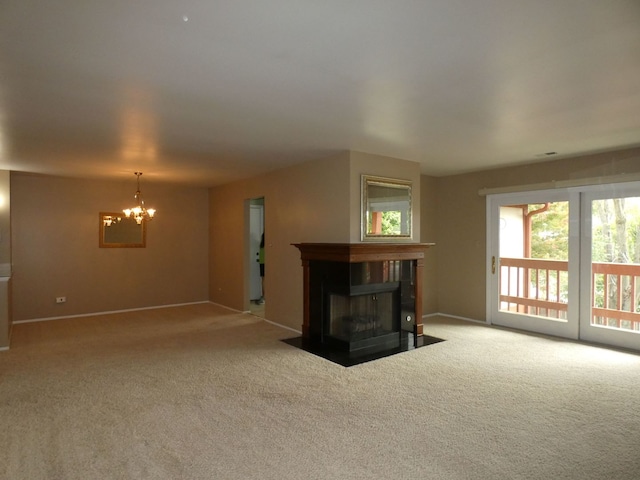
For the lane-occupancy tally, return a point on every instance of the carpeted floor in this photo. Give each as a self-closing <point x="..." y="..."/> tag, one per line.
<point x="199" y="392"/>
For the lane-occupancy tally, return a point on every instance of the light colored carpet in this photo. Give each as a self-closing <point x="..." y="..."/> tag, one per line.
<point x="199" y="392"/>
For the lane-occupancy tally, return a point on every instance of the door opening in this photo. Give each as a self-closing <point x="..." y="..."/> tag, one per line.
<point x="255" y="257"/>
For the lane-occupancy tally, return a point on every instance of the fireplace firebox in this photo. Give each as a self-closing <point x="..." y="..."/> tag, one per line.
<point x="357" y="320"/>
<point x="362" y="298"/>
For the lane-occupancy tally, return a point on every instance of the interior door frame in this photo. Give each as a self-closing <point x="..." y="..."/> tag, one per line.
<point x="248" y="257"/>
<point x="255" y="282"/>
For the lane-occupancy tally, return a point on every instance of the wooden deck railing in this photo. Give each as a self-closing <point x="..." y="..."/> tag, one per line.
<point x="539" y="287"/>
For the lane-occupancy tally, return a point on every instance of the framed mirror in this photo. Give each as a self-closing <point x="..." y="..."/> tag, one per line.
<point x="386" y="209"/>
<point x="118" y="231"/>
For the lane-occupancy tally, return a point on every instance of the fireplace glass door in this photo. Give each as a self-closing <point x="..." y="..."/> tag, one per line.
<point x="367" y="320"/>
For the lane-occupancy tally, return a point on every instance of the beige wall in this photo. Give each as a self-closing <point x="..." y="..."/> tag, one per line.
<point x="461" y="218"/>
<point x="5" y="223"/>
<point x="317" y="201"/>
<point x="5" y="258"/>
<point x="303" y="203"/>
<point x="55" y="247"/>
<point x="429" y="234"/>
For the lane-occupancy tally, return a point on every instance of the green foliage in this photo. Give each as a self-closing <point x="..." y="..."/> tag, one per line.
<point x="550" y="231"/>
<point x="606" y="247"/>
<point x="391" y="223"/>
<point x="615" y="238"/>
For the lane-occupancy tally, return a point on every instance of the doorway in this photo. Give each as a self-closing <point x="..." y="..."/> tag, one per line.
<point x="566" y="262"/>
<point x="255" y="279"/>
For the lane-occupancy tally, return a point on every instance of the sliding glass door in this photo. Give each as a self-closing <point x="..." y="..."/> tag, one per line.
<point x="566" y="262"/>
<point x="610" y="308"/>
<point x="533" y="262"/>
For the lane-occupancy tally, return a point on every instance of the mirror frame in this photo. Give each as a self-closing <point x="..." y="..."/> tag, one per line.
<point x="403" y="186"/>
<point x="142" y="243"/>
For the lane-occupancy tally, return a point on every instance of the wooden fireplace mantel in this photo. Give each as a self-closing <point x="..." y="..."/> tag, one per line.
<point x="363" y="252"/>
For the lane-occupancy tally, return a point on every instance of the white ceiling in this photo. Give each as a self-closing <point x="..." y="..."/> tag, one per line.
<point x="206" y="92"/>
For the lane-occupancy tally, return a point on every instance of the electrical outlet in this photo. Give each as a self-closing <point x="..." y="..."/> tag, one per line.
<point x="61" y="299"/>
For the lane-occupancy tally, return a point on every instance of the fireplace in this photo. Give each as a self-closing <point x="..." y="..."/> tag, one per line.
<point x="362" y="298"/>
<point x="363" y="319"/>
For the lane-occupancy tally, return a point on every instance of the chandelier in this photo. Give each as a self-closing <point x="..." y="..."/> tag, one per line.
<point x="139" y="212"/>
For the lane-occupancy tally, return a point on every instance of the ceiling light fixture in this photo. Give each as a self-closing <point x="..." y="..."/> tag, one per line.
<point x="139" y="212"/>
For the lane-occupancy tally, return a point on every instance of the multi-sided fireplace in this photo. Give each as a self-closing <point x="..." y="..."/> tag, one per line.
<point x="361" y="298"/>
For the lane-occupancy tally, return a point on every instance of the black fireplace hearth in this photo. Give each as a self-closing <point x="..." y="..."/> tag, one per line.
<point x="349" y="359"/>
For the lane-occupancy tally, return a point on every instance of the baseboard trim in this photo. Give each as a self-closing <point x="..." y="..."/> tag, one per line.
<point x="299" y="332"/>
<point x="155" y="307"/>
<point x="248" y="312"/>
<point x="47" y="319"/>
<point x="226" y="307"/>
<point x="466" y="319"/>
